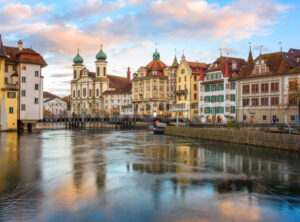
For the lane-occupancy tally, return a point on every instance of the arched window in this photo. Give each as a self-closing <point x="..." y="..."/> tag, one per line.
<point x="98" y="71"/>
<point x="97" y="92"/>
<point x="78" y="93"/>
<point x="74" y="74"/>
<point x="84" y="92"/>
<point x="104" y="71"/>
<point x="90" y="92"/>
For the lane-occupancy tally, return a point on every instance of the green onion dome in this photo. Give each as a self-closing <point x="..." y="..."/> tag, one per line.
<point x="78" y="59"/>
<point x="156" y="55"/>
<point x="101" y="56"/>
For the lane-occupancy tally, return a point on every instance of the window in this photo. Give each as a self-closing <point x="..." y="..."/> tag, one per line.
<point x="90" y="92"/>
<point x="6" y="68"/>
<point x="154" y="88"/>
<point x="23" y="66"/>
<point x="264" y="101"/>
<point x="263" y="69"/>
<point x="36" y="73"/>
<point x="244" y="117"/>
<point x="182" y="71"/>
<point x="104" y="71"/>
<point x="185" y="78"/>
<point x="254" y="102"/>
<point x="11" y="110"/>
<point x="98" y="71"/>
<point x="184" y="86"/>
<point x="36" y="100"/>
<point x="84" y="92"/>
<point x="74" y="74"/>
<point x="11" y="95"/>
<point x="78" y="93"/>
<point x="254" y="88"/>
<point x="274" y="87"/>
<point x="264" y="87"/>
<point x="36" y="86"/>
<point x="97" y="92"/>
<point x="232" y="97"/>
<point x="232" y="109"/>
<point x="179" y="79"/>
<point x="232" y="85"/>
<point x="274" y="100"/>
<point x="195" y="86"/>
<point x="23" y="93"/>
<point x="23" y="107"/>
<point x="23" y="79"/>
<point x="246" y="89"/>
<point x="195" y="95"/>
<point x="245" y="102"/>
<point x="161" y="88"/>
<point x="264" y="117"/>
<point x="292" y="117"/>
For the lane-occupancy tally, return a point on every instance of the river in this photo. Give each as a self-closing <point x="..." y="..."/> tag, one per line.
<point x="107" y="175"/>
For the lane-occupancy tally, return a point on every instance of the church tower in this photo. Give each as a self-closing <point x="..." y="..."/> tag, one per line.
<point x="77" y="66"/>
<point x="101" y="64"/>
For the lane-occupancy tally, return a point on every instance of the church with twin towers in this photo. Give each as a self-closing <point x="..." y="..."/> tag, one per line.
<point x="98" y="92"/>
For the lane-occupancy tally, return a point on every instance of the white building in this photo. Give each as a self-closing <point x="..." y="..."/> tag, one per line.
<point x="88" y="88"/>
<point x="54" y="105"/>
<point x="217" y="96"/>
<point x="26" y="65"/>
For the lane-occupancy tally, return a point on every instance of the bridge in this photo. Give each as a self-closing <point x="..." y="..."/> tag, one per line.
<point x="119" y="122"/>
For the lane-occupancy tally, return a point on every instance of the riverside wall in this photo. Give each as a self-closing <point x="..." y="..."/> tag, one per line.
<point x="264" y="139"/>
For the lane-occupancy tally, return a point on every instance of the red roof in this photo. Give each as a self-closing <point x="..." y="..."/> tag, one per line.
<point x="120" y="85"/>
<point x="155" y="65"/>
<point x="25" y="56"/>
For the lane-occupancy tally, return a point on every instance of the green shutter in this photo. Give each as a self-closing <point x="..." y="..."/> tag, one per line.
<point x="233" y="97"/>
<point x="222" y="98"/>
<point x="222" y="86"/>
<point x="222" y="109"/>
<point x="217" y="87"/>
<point x="233" y="109"/>
<point x="234" y="85"/>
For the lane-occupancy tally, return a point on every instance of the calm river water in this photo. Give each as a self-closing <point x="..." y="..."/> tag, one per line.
<point x="125" y="176"/>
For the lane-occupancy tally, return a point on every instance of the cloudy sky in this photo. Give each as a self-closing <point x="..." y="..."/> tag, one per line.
<point x="130" y="30"/>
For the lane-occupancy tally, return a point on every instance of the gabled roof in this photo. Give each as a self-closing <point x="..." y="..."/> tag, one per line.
<point x="119" y="84"/>
<point x="49" y="95"/>
<point x="278" y="62"/>
<point x="2" y="49"/>
<point x="196" y="67"/>
<point x="220" y="65"/>
<point x="25" y="56"/>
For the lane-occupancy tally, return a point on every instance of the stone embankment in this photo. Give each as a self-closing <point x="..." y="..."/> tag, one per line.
<point x="256" y="138"/>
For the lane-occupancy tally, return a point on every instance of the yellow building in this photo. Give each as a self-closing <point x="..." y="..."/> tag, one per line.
<point x="187" y="78"/>
<point x="8" y="96"/>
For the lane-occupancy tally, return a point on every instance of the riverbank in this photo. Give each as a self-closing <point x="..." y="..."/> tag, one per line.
<point x="241" y="136"/>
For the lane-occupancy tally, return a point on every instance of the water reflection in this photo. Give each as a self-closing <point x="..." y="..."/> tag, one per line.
<point x="137" y="176"/>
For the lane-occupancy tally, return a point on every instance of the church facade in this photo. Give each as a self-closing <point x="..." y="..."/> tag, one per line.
<point x="90" y="90"/>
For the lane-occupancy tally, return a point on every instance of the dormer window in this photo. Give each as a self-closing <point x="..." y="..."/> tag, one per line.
<point x="234" y="65"/>
<point x="263" y="69"/>
<point x="154" y="72"/>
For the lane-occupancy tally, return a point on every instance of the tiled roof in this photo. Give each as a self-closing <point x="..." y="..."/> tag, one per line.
<point x="119" y="84"/>
<point x="220" y="65"/>
<point x="279" y="63"/>
<point x="49" y="95"/>
<point x="197" y="66"/>
<point x="25" y="56"/>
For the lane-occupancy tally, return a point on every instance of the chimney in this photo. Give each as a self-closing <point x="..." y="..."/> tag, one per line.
<point x="128" y="73"/>
<point x="20" y="45"/>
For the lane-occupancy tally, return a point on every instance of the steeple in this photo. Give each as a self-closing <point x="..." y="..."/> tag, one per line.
<point x="78" y="59"/>
<point x="101" y="56"/>
<point x="175" y="62"/>
<point x="250" y="57"/>
<point x="156" y="55"/>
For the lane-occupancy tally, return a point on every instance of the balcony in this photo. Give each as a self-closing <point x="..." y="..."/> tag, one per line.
<point x="10" y="86"/>
<point x="180" y="92"/>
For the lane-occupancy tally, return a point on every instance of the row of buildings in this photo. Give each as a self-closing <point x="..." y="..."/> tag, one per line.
<point x="21" y="86"/>
<point x="261" y="90"/>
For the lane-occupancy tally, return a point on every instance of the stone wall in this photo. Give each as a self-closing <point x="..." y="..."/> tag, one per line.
<point x="274" y="140"/>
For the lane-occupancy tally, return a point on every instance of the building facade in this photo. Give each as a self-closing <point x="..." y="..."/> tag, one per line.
<point x="217" y="95"/>
<point x="268" y="89"/>
<point x="53" y="105"/>
<point x="187" y="77"/>
<point x="24" y="81"/>
<point x="151" y="88"/>
<point x="89" y="89"/>
<point x="8" y="95"/>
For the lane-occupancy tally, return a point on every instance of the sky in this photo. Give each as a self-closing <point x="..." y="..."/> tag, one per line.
<point x="131" y="30"/>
